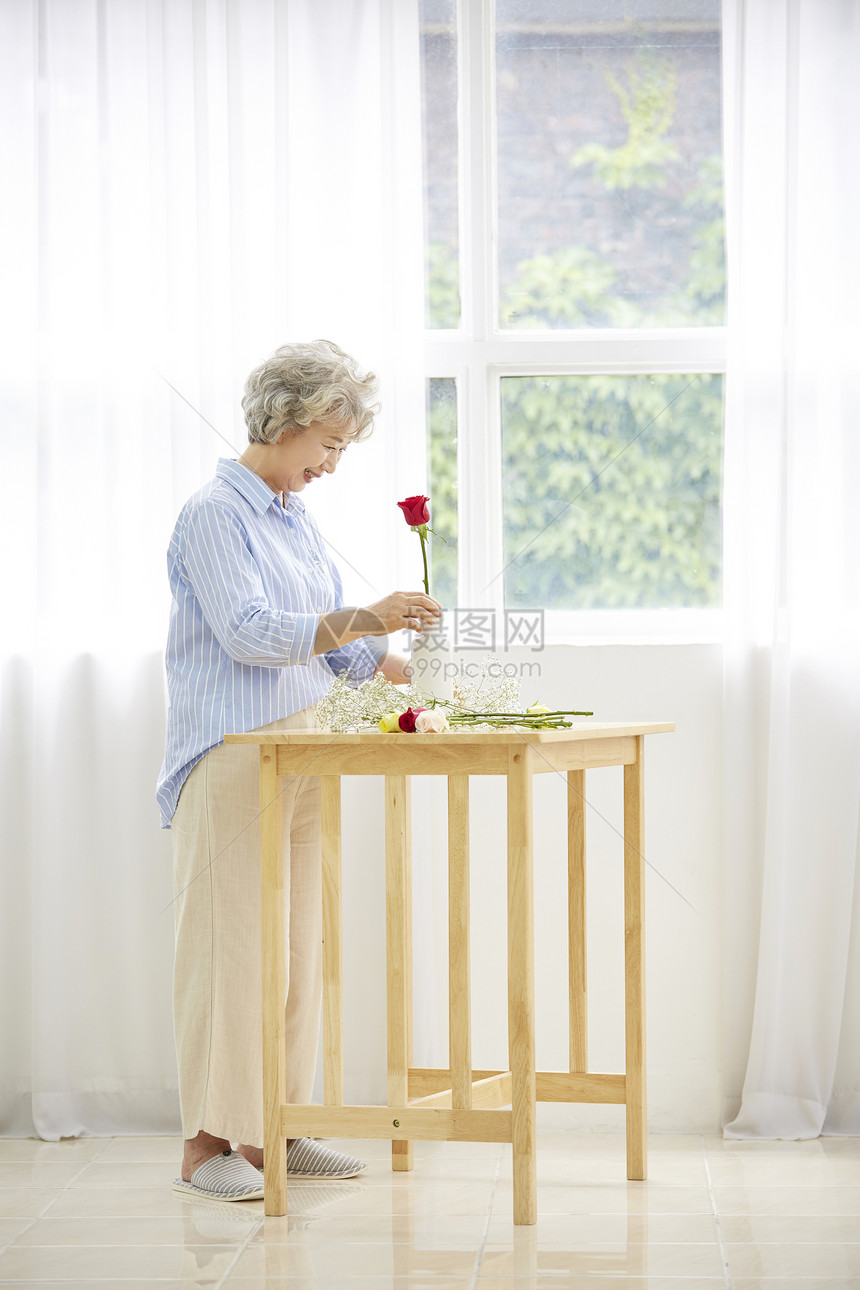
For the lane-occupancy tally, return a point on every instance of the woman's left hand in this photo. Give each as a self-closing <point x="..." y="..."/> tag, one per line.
<point x="396" y="668"/>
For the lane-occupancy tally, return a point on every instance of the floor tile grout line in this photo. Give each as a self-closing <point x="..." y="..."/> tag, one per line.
<point x="61" y="1191"/>
<point x="724" y="1254"/>
<point x="482" y="1243"/>
<point x="478" y="1238"/>
<point x="242" y="1248"/>
<point x="9" y="1244"/>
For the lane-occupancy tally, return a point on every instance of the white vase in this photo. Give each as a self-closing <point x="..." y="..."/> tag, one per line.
<point x="433" y="668"/>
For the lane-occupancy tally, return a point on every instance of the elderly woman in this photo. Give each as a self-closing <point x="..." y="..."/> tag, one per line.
<point x="257" y="629"/>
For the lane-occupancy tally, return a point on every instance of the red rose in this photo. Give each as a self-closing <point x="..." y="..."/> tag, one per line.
<point x="415" y="511"/>
<point x="407" y="718"/>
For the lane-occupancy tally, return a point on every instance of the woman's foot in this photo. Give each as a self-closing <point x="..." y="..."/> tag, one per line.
<point x="254" y="1155"/>
<point x="310" y="1161"/>
<point x="200" y="1149"/>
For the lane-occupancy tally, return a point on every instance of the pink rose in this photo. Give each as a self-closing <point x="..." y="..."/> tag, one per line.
<point x="431" y="723"/>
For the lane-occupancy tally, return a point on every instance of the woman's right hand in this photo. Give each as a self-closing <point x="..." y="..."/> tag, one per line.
<point x="411" y="609"/>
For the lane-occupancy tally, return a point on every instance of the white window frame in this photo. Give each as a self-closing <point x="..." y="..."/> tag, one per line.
<point x="479" y="354"/>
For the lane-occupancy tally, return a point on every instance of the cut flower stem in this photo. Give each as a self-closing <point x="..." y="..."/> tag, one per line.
<point x="532" y="720"/>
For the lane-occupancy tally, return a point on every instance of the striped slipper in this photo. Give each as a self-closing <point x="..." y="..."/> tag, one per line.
<point x="309" y="1160"/>
<point x="228" y="1176"/>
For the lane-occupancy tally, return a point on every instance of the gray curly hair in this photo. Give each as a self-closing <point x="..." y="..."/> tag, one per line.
<point x="303" y="383"/>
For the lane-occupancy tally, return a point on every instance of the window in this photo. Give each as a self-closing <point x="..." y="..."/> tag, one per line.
<point x="575" y="307"/>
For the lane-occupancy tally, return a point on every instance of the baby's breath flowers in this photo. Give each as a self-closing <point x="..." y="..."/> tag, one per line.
<point x="489" y="699"/>
<point x="484" y="699"/>
<point x="348" y="707"/>
<point x="485" y="687"/>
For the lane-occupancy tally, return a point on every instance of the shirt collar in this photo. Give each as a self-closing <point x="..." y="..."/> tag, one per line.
<point x="254" y="489"/>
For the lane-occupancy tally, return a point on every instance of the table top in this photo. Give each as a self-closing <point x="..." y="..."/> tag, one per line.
<point x="582" y="730"/>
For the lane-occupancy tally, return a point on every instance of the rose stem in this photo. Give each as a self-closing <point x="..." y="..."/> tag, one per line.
<point x="424" y="558"/>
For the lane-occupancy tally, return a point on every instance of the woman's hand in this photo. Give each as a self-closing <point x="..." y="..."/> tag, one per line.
<point x="411" y="609"/>
<point x="396" y="668"/>
<point x="401" y="609"/>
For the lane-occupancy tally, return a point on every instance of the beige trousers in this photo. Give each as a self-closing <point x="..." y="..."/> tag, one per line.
<point x="217" y="992"/>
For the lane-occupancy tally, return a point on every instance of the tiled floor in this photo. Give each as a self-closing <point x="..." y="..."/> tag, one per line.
<point x="782" y="1215"/>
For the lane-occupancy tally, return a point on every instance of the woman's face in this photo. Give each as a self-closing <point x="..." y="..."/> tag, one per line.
<point x="301" y="456"/>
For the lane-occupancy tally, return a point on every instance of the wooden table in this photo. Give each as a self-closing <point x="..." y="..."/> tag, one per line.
<point x="458" y="1103"/>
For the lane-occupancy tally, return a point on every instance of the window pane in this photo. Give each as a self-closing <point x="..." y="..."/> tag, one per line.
<point x="609" y="163"/>
<point x="442" y="473"/>
<point x="612" y="488"/>
<point x="439" y="114"/>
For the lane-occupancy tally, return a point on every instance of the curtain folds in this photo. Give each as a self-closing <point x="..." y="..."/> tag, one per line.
<point x="792" y="477"/>
<point x="195" y="182"/>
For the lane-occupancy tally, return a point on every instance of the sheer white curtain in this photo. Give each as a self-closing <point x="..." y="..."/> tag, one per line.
<point x="792" y="673"/>
<point x="188" y="183"/>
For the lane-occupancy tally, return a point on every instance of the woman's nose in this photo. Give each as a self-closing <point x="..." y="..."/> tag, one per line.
<point x="330" y="463"/>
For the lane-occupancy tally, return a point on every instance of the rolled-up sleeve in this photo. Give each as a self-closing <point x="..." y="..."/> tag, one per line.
<point x="220" y="569"/>
<point x="360" y="659"/>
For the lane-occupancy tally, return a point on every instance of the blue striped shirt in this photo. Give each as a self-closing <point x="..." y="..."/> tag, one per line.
<point x="249" y="578"/>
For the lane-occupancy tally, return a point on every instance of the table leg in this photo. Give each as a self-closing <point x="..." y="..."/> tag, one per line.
<point x="459" y="985"/>
<point x="274" y="984"/>
<point x="398" y="922"/>
<point x="332" y="917"/>
<point x="521" y="992"/>
<point x="634" y="962"/>
<point x="576" y="921"/>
